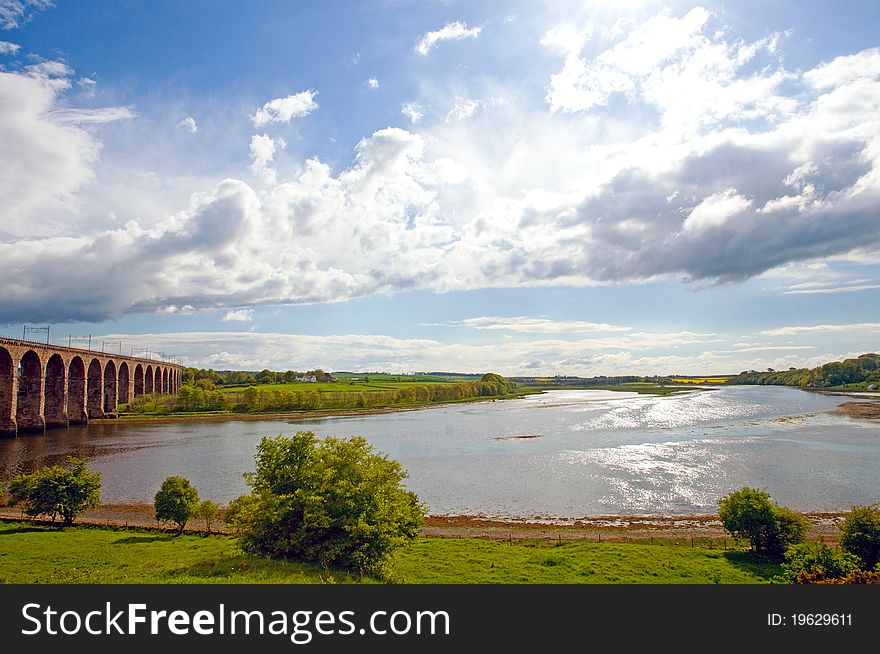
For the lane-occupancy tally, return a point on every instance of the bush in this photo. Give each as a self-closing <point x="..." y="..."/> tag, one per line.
<point x="860" y="535"/>
<point x="207" y="510"/>
<point x="748" y="513"/>
<point x="332" y="501"/>
<point x="810" y="563"/>
<point x="176" y="502"/>
<point x="58" y="490"/>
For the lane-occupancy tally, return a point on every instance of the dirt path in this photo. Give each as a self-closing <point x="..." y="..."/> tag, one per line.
<point x="610" y="528"/>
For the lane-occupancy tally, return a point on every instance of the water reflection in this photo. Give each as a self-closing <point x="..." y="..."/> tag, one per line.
<point x="598" y="452"/>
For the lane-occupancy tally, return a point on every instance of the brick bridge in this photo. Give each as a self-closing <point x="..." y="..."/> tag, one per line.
<point x="44" y="386"/>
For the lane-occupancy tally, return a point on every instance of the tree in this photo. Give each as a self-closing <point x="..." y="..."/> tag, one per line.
<point x="64" y="491"/>
<point x="207" y="510"/>
<point x="860" y="535"/>
<point x="206" y="384"/>
<point x="333" y="501"/>
<point x="176" y="502"/>
<point x="494" y="378"/>
<point x="815" y="563"/>
<point x="748" y="513"/>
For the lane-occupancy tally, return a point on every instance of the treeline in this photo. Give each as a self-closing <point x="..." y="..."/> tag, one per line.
<point x="253" y="399"/>
<point x="581" y="382"/>
<point x="863" y="369"/>
<point x="209" y="378"/>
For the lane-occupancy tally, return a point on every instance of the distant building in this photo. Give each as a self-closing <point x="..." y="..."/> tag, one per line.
<point x="872" y="387"/>
<point x="306" y="378"/>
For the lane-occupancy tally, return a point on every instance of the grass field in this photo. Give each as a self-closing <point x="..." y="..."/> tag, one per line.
<point x="645" y="388"/>
<point x="338" y="387"/>
<point x="36" y="554"/>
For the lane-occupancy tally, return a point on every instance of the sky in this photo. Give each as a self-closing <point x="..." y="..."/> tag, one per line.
<point x="524" y="187"/>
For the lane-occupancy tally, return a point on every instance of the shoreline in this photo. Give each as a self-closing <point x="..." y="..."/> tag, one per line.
<point x="138" y="419"/>
<point x="823" y="525"/>
<point x="868" y="407"/>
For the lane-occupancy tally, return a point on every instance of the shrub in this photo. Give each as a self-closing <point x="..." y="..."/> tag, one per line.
<point x="333" y="501"/>
<point x="860" y="535"/>
<point x="748" y="513"/>
<point x="64" y="491"/>
<point x="207" y="510"/>
<point x="176" y="502"/>
<point x="811" y="563"/>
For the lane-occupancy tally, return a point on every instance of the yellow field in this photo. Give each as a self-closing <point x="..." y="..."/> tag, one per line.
<point x="700" y="380"/>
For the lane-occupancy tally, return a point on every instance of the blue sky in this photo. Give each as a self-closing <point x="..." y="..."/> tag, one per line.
<point x="525" y="187"/>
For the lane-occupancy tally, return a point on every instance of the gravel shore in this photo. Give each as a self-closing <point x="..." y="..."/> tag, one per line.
<point x="609" y="527"/>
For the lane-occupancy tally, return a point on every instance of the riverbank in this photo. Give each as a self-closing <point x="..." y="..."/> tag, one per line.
<point x="311" y="414"/>
<point x="618" y="528"/>
<point x="34" y="554"/>
<point x="307" y="414"/>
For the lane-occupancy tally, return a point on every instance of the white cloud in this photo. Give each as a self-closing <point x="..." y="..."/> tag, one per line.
<point x="527" y="324"/>
<point x="92" y="116"/>
<point x="15" y="13"/>
<point x="519" y="196"/>
<point x="189" y="124"/>
<point x="771" y="348"/>
<point x="247" y="350"/>
<point x="241" y="315"/>
<point x="283" y="110"/>
<point x="48" y="153"/>
<point x="262" y="150"/>
<point x="462" y="109"/>
<point x="413" y="111"/>
<point x="50" y="69"/>
<point x="715" y="210"/>
<point x="8" y="48"/>
<point x="863" y="66"/>
<point x="824" y="329"/>
<point x="449" y="32"/>
<point x="172" y="309"/>
<point x="832" y="290"/>
<point x="373" y="84"/>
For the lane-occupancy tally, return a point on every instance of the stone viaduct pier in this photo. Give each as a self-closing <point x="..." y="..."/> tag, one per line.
<point x="44" y="386"/>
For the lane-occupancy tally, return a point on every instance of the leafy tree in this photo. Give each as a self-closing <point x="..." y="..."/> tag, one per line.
<point x="748" y="513"/>
<point x="333" y="501"/>
<point x="860" y="535"/>
<point x="207" y="510"/>
<point x="810" y="563"/>
<point x="494" y="378"/>
<point x="176" y="502"/>
<point x="64" y="491"/>
<point x="206" y="384"/>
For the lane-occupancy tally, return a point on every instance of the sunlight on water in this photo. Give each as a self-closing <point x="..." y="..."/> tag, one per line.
<point x="562" y="453"/>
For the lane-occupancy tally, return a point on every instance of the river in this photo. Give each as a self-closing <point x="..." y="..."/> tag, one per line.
<point x="587" y="452"/>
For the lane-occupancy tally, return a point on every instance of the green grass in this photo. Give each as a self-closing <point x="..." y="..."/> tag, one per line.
<point x="36" y="554"/>
<point x="644" y="388"/>
<point x="337" y="387"/>
<point x="471" y="560"/>
<point x="81" y="555"/>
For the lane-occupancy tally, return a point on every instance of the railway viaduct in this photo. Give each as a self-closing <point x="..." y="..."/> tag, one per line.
<point x="44" y="386"/>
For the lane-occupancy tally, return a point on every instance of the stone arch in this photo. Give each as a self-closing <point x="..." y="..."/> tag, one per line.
<point x="157" y="383"/>
<point x="55" y="393"/>
<point x="138" y="380"/>
<point x="166" y="388"/>
<point x="29" y="413"/>
<point x="124" y="383"/>
<point x="76" y="392"/>
<point x="95" y="392"/>
<point x="7" y="393"/>
<point x="149" y="380"/>
<point x="111" y="387"/>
